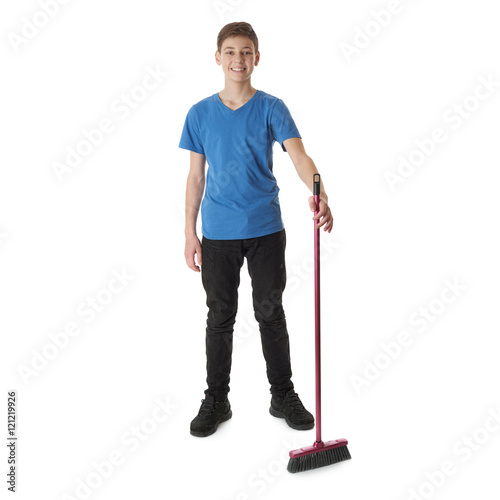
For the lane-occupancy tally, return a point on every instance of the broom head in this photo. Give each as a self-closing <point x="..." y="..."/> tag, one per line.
<point x="318" y="455"/>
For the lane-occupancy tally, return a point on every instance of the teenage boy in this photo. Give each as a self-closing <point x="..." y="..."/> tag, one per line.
<point x="234" y="131"/>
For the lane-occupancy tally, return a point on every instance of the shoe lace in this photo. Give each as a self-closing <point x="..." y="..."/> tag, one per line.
<point x="294" y="401"/>
<point x="207" y="407"/>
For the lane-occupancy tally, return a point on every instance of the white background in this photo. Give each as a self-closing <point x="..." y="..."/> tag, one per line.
<point x="121" y="210"/>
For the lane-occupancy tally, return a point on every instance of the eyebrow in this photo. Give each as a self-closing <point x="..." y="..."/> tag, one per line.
<point x="233" y="48"/>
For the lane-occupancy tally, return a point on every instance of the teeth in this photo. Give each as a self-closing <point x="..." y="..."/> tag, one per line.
<point x="238" y="69"/>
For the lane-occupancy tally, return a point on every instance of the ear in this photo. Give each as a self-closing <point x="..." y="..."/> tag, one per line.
<point x="217" y="57"/>
<point x="257" y="58"/>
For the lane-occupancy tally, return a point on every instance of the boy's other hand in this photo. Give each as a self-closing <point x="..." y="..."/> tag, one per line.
<point x="324" y="214"/>
<point x="192" y="248"/>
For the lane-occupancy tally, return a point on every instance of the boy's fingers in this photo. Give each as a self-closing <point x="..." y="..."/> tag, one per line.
<point x="320" y="224"/>
<point x="198" y="257"/>
<point x="324" y="216"/>
<point x="321" y="214"/>
<point x="191" y="262"/>
<point x="326" y="221"/>
<point x="195" y="260"/>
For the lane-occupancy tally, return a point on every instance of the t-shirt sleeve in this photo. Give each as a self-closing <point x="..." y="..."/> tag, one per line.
<point x="282" y="125"/>
<point x="190" y="137"/>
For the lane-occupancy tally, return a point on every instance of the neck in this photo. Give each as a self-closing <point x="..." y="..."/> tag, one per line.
<point x="237" y="91"/>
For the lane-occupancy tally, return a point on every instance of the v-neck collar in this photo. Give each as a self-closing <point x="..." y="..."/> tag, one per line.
<point x="237" y="109"/>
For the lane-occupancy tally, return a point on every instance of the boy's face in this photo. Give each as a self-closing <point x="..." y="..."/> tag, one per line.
<point x="238" y="58"/>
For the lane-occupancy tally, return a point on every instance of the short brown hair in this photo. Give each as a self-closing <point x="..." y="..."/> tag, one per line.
<point x="237" y="29"/>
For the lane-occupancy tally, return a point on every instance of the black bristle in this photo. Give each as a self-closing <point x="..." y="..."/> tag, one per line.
<point x="318" y="459"/>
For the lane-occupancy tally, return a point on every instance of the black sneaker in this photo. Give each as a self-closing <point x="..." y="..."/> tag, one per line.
<point x="211" y="414"/>
<point x="290" y="408"/>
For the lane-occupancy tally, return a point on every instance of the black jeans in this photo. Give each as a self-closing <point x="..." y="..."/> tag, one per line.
<point x="222" y="261"/>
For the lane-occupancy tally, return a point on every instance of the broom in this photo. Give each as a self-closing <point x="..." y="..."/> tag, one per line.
<point x="329" y="452"/>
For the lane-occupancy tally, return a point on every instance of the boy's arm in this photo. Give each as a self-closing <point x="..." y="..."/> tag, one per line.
<point x="306" y="169"/>
<point x="194" y="193"/>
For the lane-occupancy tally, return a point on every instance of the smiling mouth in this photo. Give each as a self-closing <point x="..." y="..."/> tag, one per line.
<point x="238" y="70"/>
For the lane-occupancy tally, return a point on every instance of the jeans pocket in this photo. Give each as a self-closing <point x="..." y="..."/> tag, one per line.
<point x="272" y="241"/>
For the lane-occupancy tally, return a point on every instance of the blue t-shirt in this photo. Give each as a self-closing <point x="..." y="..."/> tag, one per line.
<point x="241" y="192"/>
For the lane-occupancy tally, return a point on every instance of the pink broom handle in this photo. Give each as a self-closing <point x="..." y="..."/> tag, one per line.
<point x="316" y="193"/>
